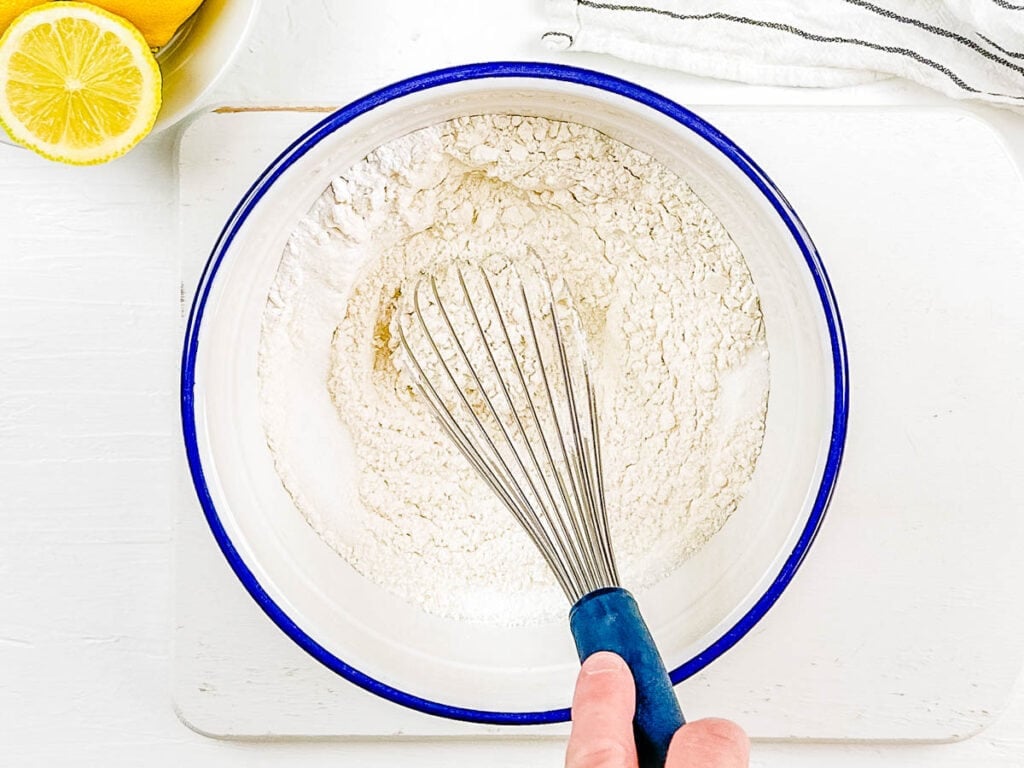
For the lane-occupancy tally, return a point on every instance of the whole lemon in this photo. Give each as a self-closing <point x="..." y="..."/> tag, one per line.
<point x="11" y="9"/>
<point x="157" y="21"/>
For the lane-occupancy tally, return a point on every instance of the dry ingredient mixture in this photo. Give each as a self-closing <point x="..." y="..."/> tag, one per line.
<point x="666" y="299"/>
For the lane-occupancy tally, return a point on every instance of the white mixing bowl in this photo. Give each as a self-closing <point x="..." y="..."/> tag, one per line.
<point x="477" y="671"/>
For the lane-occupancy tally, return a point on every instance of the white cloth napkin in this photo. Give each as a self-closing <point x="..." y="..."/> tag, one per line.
<point x="967" y="49"/>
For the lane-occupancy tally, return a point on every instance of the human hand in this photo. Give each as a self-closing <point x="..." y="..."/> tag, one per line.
<point x="602" y="725"/>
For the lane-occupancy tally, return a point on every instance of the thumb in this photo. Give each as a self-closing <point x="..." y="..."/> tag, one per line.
<point x="710" y="743"/>
<point x="602" y="715"/>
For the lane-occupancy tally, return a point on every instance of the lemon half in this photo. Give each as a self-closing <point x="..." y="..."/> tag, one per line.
<point x="77" y="84"/>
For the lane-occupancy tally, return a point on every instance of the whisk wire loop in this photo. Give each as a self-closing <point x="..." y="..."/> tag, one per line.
<point x="603" y="534"/>
<point x="494" y="472"/>
<point x="579" y="524"/>
<point x="543" y="460"/>
<point x="557" y="522"/>
<point x="583" y="463"/>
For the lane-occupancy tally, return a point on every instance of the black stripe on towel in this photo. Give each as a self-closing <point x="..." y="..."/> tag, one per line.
<point x="998" y="47"/>
<point x="566" y="35"/>
<point x="940" y="31"/>
<point x="788" y="28"/>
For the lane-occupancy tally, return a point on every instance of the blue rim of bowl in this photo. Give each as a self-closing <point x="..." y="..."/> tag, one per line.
<point x="541" y="71"/>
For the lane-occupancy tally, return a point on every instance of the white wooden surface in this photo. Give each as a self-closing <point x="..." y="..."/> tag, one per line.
<point x="88" y="353"/>
<point x="888" y="632"/>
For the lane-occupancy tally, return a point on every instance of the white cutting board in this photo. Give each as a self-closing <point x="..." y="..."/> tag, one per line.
<point x="906" y="622"/>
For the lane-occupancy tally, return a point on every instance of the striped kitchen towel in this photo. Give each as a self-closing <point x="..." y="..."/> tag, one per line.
<point x="967" y="49"/>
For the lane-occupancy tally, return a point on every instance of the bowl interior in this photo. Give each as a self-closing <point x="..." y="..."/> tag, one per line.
<point x="478" y="666"/>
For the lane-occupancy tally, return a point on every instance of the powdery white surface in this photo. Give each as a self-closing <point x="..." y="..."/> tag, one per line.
<point x="670" y="309"/>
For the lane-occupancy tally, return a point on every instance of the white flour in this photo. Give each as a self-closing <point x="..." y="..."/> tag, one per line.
<point x="671" y="314"/>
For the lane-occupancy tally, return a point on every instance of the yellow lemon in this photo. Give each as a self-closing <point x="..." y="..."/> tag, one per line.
<point x="11" y="9"/>
<point x="77" y="84"/>
<point x="157" y="20"/>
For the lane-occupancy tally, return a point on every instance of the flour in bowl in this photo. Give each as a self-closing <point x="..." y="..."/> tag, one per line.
<point x="671" y="314"/>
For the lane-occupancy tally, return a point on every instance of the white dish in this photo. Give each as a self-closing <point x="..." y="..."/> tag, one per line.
<point x="196" y="58"/>
<point x="474" y="671"/>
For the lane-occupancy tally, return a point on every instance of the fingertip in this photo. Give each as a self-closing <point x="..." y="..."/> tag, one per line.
<point x="602" y="715"/>
<point x="603" y="662"/>
<point x="604" y="682"/>
<point x="724" y="730"/>
<point x="710" y="743"/>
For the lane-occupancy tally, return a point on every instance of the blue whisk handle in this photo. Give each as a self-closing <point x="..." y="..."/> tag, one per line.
<point x="609" y="620"/>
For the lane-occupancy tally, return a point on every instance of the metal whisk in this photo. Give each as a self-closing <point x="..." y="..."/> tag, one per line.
<point x="510" y="382"/>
